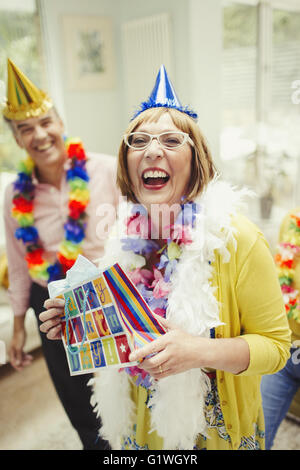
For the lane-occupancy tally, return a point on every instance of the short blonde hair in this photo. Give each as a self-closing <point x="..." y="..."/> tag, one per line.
<point x="202" y="169"/>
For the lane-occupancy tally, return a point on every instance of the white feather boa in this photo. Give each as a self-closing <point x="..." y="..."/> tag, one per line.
<point x="178" y="402"/>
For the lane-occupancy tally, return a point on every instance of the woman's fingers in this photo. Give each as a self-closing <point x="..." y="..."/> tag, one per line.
<point x="51" y="319"/>
<point x="162" y="371"/>
<point x="157" y="365"/>
<point x="150" y="348"/>
<point x="154" y="362"/>
<point x="51" y="313"/>
<point x="51" y="323"/>
<point x="166" y="324"/>
<point x="159" y="368"/>
<point x="54" y="303"/>
<point x="54" y="333"/>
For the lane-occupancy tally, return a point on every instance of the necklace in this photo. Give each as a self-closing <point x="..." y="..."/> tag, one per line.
<point x="286" y="260"/>
<point x="74" y="228"/>
<point x="154" y="284"/>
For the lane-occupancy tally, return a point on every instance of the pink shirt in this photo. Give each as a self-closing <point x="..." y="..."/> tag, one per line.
<point x="50" y="213"/>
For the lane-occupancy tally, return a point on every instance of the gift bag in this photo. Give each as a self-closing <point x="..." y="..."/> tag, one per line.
<point x="104" y="319"/>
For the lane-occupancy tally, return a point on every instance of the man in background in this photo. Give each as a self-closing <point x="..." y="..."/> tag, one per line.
<point x="50" y="217"/>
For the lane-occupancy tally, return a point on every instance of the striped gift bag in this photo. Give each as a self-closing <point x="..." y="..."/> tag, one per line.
<point x="137" y="317"/>
<point x="104" y="319"/>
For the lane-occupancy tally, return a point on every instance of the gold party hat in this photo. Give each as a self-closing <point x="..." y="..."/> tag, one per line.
<point x="24" y="99"/>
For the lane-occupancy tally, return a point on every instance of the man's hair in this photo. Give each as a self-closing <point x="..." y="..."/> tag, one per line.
<point x="10" y="121"/>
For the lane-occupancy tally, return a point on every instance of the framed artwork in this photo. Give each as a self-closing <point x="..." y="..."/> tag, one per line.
<point x="89" y="53"/>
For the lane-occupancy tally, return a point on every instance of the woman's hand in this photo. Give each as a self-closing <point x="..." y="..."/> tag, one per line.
<point x="51" y="318"/>
<point x="178" y="351"/>
<point x="174" y="352"/>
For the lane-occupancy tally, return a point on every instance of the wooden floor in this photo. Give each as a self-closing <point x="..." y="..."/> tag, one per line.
<point x="31" y="414"/>
<point x="32" y="418"/>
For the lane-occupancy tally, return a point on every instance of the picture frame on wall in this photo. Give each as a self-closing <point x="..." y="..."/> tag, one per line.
<point x="89" y="52"/>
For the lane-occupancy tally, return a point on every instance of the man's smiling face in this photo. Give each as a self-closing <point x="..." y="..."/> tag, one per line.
<point x="42" y="138"/>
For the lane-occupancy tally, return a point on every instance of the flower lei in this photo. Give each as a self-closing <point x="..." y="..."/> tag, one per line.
<point x="285" y="260"/>
<point x="154" y="285"/>
<point x="74" y="228"/>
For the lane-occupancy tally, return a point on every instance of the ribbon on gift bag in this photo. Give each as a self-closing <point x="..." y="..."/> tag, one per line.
<point x="74" y="349"/>
<point x="137" y="316"/>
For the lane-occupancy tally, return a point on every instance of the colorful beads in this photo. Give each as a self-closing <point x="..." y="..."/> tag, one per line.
<point x="23" y="212"/>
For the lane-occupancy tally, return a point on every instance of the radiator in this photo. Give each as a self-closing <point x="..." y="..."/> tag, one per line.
<point x="146" y="44"/>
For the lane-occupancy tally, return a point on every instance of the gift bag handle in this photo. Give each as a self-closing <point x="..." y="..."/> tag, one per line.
<point x="74" y="349"/>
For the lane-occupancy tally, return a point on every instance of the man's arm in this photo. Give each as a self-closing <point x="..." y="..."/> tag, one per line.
<point x="19" y="286"/>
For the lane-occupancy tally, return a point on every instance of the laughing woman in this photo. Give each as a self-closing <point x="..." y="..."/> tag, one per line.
<point x="209" y="277"/>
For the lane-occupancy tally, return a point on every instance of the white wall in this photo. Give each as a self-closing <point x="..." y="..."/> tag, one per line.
<point x="100" y="118"/>
<point x="178" y="12"/>
<point x="205" y="68"/>
<point x="93" y="116"/>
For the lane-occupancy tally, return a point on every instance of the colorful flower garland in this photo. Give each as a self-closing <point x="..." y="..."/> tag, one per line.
<point x="155" y="285"/>
<point x="23" y="212"/>
<point x="286" y="260"/>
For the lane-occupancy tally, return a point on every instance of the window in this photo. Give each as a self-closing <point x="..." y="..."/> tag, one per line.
<point x="239" y="86"/>
<point x="260" y="146"/>
<point x="285" y="61"/>
<point x="20" y="39"/>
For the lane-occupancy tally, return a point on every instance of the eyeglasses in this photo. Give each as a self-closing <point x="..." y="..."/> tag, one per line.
<point x="168" y="140"/>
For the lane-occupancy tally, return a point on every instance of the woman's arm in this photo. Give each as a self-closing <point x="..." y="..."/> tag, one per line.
<point x="178" y="351"/>
<point x="262" y="347"/>
<point x="264" y="323"/>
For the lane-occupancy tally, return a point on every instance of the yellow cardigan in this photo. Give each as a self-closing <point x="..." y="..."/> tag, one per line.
<point x="251" y="306"/>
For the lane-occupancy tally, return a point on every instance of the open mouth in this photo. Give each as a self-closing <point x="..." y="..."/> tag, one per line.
<point x="155" y="177"/>
<point x="44" y="147"/>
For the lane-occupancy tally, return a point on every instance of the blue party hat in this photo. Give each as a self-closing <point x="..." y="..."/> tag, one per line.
<point x="164" y="95"/>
